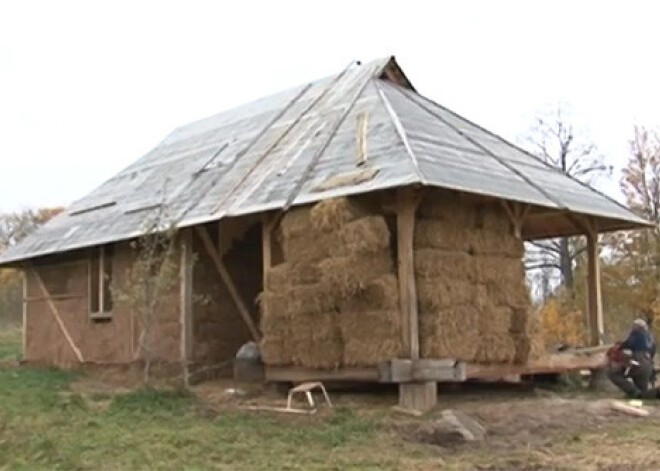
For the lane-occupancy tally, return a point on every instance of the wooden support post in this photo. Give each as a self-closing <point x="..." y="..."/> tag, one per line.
<point x="406" y="207"/>
<point x="594" y="301"/>
<point x="418" y="395"/>
<point x="266" y="248"/>
<point x="56" y="315"/>
<point x="25" y="313"/>
<point x="226" y="278"/>
<point x="186" y="303"/>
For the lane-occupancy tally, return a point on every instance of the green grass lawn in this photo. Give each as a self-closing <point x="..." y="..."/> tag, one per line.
<point x="48" y="423"/>
<point x="45" y="425"/>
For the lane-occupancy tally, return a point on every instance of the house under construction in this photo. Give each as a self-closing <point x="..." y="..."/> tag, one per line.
<point x="354" y="228"/>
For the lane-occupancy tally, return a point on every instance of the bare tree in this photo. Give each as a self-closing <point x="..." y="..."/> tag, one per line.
<point x="14" y="227"/>
<point x="554" y="140"/>
<point x="152" y="275"/>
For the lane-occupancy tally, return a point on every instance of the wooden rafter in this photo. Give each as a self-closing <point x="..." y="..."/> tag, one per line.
<point x="517" y="213"/>
<point x="227" y="280"/>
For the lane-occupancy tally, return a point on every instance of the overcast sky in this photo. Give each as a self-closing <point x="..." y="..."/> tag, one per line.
<point x="88" y="87"/>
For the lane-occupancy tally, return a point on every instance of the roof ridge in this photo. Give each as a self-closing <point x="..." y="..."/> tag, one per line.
<point x="399" y="129"/>
<point x="528" y="153"/>
<point x="490" y="153"/>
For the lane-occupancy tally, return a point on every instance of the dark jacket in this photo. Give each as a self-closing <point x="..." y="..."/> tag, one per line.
<point x="640" y="341"/>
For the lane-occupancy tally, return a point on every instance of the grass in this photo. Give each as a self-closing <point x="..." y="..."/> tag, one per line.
<point x="45" y="424"/>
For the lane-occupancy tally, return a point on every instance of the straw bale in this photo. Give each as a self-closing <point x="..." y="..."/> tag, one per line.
<point x="370" y="336"/>
<point x="494" y="219"/>
<point x="281" y="277"/>
<point x="437" y="234"/>
<point x="494" y="348"/>
<point x="317" y="343"/>
<point x="447" y="207"/>
<point x="275" y="350"/>
<point x="514" y="295"/>
<point x="523" y="345"/>
<point x="346" y="276"/>
<point x="520" y="320"/>
<point x="305" y="300"/>
<point x="310" y="247"/>
<point x="374" y="324"/>
<point x="431" y="263"/>
<point x="369" y="234"/>
<point x="495" y="320"/>
<point x="488" y="242"/>
<point x="440" y="293"/>
<point x="378" y="294"/>
<point x="274" y="303"/>
<point x="332" y="214"/>
<point x="534" y="333"/>
<point x="296" y="222"/>
<point x="504" y="271"/>
<point x="449" y="333"/>
<point x="278" y="277"/>
<point x="360" y="353"/>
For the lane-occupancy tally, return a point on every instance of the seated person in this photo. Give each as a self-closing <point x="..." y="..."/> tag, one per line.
<point x="630" y="363"/>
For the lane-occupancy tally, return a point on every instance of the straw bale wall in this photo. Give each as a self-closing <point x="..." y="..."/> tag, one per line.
<point x="333" y="301"/>
<point x="473" y="303"/>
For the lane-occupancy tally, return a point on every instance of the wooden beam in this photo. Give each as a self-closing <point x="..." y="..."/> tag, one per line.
<point x="594" y="299"/>
<point x="226" y="278"/>
<point x="404" y="370"/>
<point x="584" y="359"/>
<point x="517" y="213"/>
<point x="406" y="206"/>
<point x="266" y="247"/>
<point x="186" y="303"/>
<point x="56" y="315"/>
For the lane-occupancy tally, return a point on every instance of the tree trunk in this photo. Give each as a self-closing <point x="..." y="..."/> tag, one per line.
<point x="566" y="264"/>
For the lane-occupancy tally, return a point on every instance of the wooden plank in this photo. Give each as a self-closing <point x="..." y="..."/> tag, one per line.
<point x="428" y="369"/>
<point x="186" y="303"/>
<point x="406" y="206"/>
<point x="56" y="315"/>
<point x="299" y="375"/>
<point x="402" y="370"/>
<point x="361" y="137"/>
<point x="552" y="363"/>
<point x="226" y="278"/>
<point x="594" y="299"/>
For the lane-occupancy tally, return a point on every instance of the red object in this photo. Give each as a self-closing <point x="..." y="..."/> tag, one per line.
<point x="616" y="357"/>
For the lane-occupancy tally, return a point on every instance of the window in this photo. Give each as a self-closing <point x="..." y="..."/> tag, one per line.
<point x="100" y="278"/>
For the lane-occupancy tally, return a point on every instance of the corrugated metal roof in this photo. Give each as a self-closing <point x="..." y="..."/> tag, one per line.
<point x="278" y="151"/>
